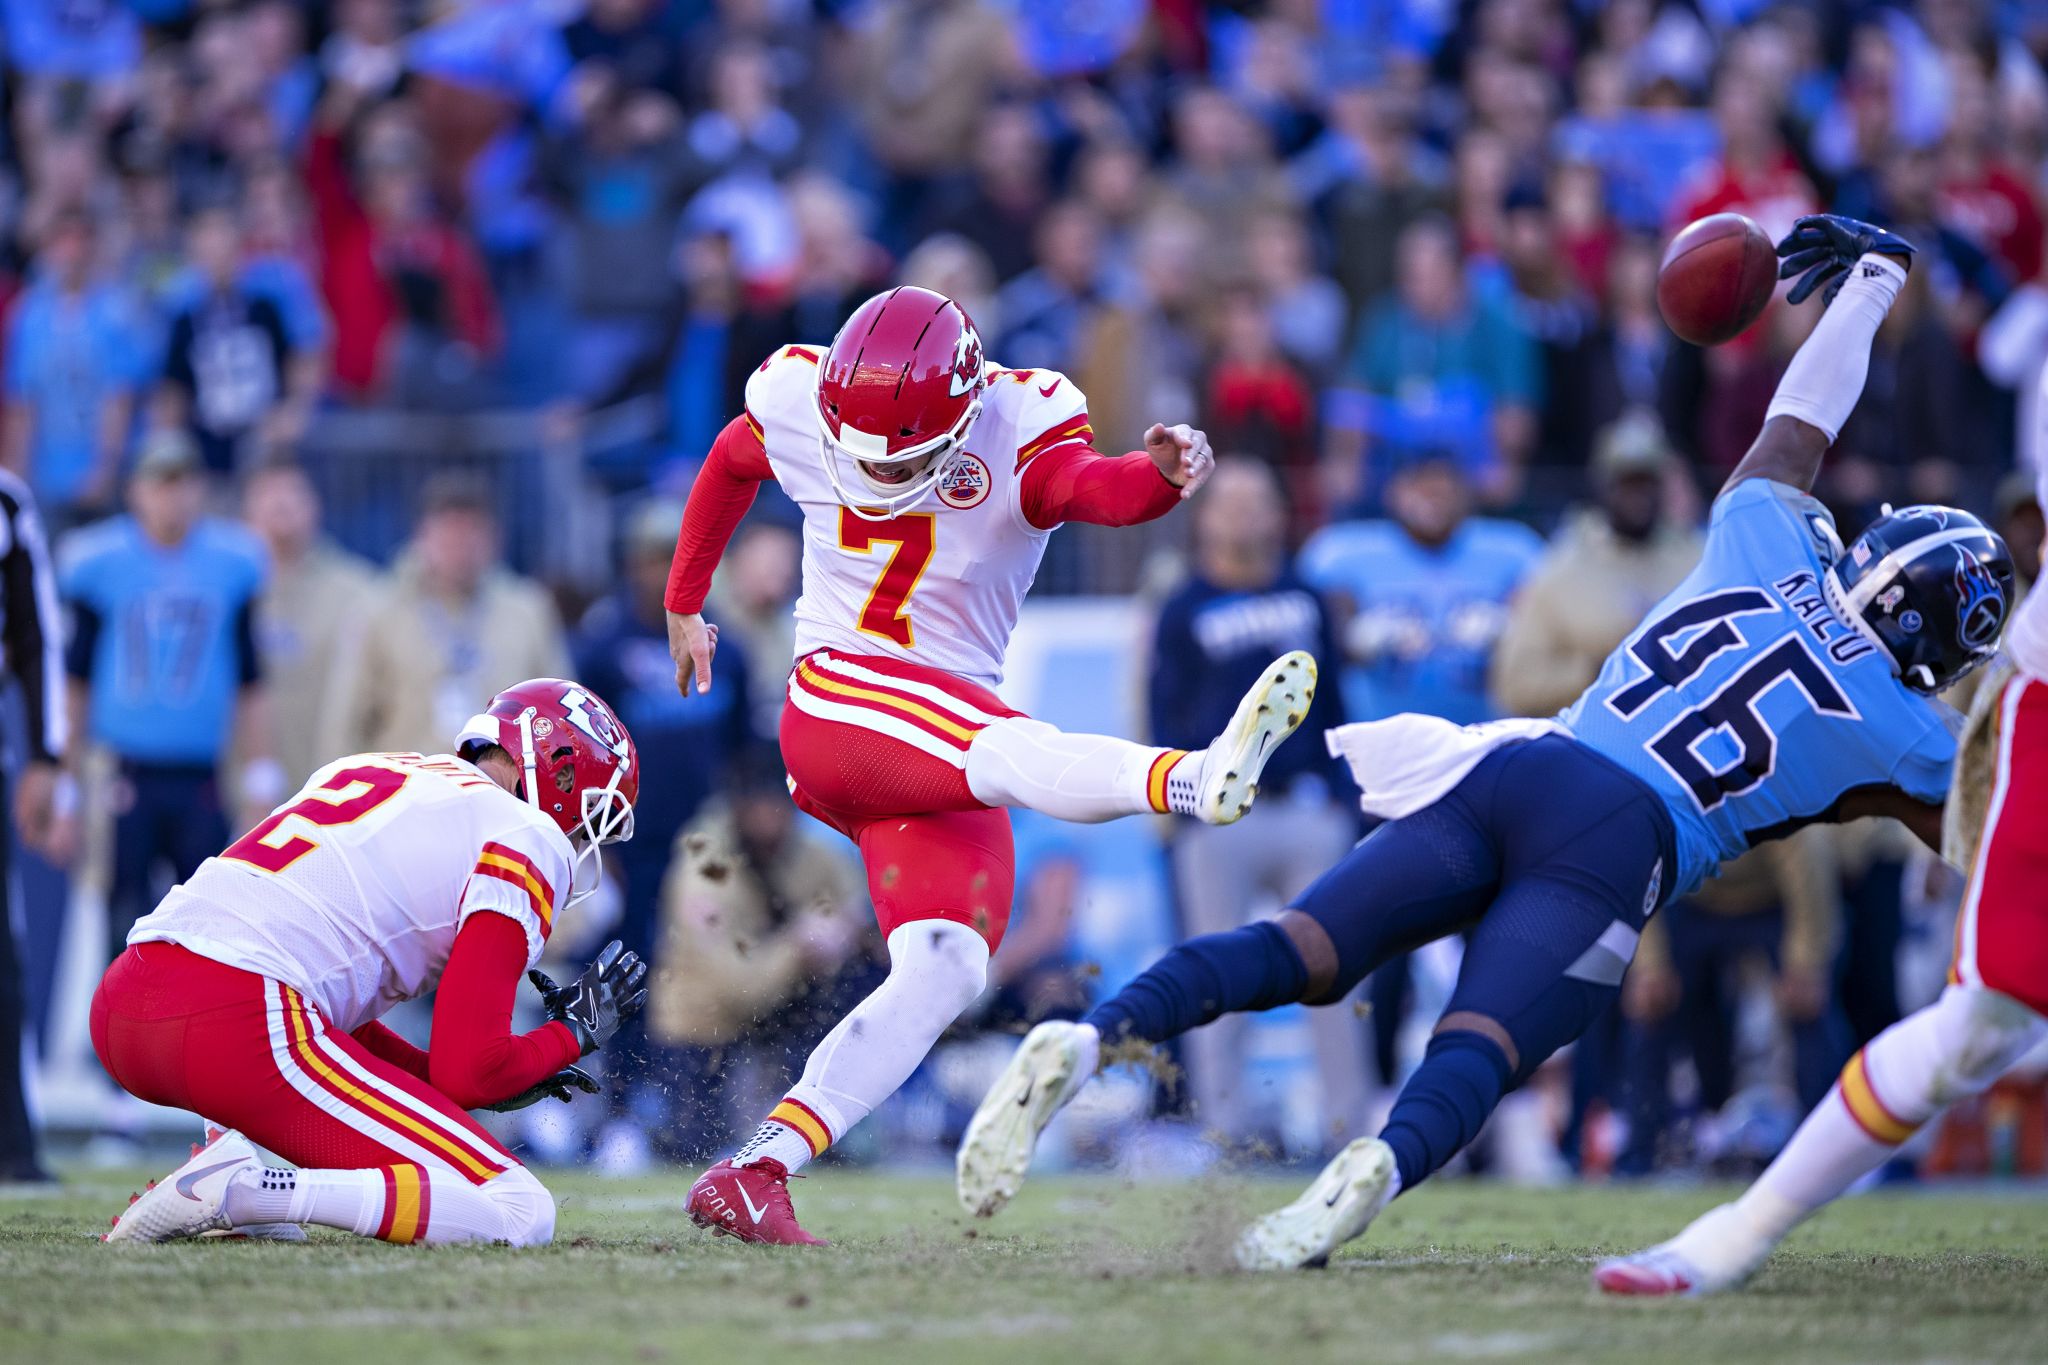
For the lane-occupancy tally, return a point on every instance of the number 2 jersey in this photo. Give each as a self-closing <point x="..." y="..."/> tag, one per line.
<point x="353" y="891"/>
<point x="1747" y="703"/>
<point x="940" y="583"/>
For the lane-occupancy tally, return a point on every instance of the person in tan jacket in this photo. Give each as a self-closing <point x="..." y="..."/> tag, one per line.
<point x="1603" y="571"/>
<point x="449" y="624"/>
<point x="311" y="614"/>
<point x="764" y="928"/>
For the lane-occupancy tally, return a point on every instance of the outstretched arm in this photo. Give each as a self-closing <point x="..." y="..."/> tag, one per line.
<point x="1860" y="269"/>
<point x="1073" y="483"/>
<point x="733" y="472"/>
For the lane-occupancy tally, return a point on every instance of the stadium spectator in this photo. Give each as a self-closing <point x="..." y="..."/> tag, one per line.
<point x="449" y="624"/>
<point x="73" y="366"/>
<point x="165" y="675"/>
<point x="311" y="613"/>
<point x="1599" y="576"/>
<point x="765" y="934"/>
<point x="1439" y="368"/>
<point x="1256" y="402"/>
<point x="752" y="593"/>
<point x="998" y="205"/>
<point x="1421" y="597"/>
<point x="1044" y="317"/>
<point x="1241" y="608"/>
<point x="232" y="372"/>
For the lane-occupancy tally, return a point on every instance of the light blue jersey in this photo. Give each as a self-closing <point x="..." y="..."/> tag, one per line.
<point x="1747" y="702"/>
<point x="1427" y="617"/>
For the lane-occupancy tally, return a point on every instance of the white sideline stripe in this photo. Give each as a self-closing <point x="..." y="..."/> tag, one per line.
<point x="2008" y="717"/>
<point x="397" y="1095"/>
<point x="811" y="704"/>
<point x="310" y="1089"/>
<point x="963" y="711"/>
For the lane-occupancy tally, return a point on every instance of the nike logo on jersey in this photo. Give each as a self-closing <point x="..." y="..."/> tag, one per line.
<point x="191" y="1178"/>
<point x="753" y="1212"/>
<point x="1046" y="392"/>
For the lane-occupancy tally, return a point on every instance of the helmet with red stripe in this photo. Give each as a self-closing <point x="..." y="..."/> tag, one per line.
<point x="897" y="395"/>
<point x="577" y="764"/>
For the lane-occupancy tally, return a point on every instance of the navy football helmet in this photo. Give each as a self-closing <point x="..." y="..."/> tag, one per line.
<point x="1929" y="586"/>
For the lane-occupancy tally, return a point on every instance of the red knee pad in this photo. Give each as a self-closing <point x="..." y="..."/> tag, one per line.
<point x="955" y="865"/>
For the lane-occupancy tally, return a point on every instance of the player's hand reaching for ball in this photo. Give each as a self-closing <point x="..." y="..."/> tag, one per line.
<point x="556" y="1087"/>
<point x="692" y="641"/>
<point x="1823" y="246"/>
<point x="1182" y="454"/>
<point x="596" y="1004"/>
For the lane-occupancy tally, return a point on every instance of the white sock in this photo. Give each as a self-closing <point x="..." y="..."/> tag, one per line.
<point x="398" y="1204"/>
<point x="937" y="969"/>
<point x="1952" y="1049"/>
<point x="1826" y="376"/>
<point x="1083" y="779"/>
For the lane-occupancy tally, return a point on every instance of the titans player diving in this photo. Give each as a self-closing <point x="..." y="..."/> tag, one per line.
<point x="1787" y="681"/>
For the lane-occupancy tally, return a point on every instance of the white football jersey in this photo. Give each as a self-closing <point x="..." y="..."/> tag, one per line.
<point x="937" y="584"/>
<point x="352" y="891"/>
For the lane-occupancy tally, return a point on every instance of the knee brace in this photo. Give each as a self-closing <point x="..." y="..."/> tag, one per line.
<point x="525" y="1205"/>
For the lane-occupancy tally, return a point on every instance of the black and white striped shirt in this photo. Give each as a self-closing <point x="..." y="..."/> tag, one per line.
<point x="31" y="628"/>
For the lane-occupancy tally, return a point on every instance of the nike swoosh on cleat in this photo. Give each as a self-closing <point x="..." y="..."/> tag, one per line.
<point x="757" y="1214"/>
<point x="1024" y="1099"/>
<point x="1331" y="1202"/>
<point x="191" y="1178"/>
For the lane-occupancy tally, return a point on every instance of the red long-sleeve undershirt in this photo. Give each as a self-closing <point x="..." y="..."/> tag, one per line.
<point x="474" y="1058"/>
<point x="1066" y="483"/>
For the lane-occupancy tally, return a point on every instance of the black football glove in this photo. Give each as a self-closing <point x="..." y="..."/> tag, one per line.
<point x="1822" y="246"/>
<point x="610" y="991"/>
<point x="555" y="1087"/>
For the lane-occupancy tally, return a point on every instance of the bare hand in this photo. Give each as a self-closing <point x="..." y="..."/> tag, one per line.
<point x="1182" y="454"/>
<point x="692" y="641"/>
<point x="35" y="803"/>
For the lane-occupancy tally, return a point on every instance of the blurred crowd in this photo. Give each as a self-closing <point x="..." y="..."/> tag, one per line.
<point x="1398" y="257"/>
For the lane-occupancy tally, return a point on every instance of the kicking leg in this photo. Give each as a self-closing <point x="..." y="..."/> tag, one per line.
<point x="1413" y="881"/>
<point x="941" y="886"/>
<point x="1952" y="1049"/>
<point x="1087" y="779"/>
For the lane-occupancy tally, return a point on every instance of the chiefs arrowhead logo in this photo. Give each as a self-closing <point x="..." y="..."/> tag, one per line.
<point x="966" y="362"/>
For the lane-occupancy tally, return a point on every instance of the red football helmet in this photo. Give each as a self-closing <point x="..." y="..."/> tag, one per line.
<point x="578" y="765"/>
<point x="897" y="394"/>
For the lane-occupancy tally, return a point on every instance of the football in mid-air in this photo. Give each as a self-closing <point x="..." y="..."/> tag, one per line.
<point x="1716" y="278"/>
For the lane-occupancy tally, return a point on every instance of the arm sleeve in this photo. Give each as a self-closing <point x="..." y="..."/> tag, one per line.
<point x="1073" y="483"/>
<point x="475" y="1058"/>
<point x="85" y="639"/>
<point x="733" y="472"/>
<point x="248" y="660"/>
<point x="380" y="1042"/>
<point x="34" y="641"/>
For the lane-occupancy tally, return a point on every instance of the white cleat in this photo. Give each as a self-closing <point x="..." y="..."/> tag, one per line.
<point x="1274" y="708"/>
<point x="257" y="1232"/>
<point x="1054" y="1062"/>
<point x="1717" y="1251"/>
<point x="1345" y="1199"/>
<point x="190" y="1200"/>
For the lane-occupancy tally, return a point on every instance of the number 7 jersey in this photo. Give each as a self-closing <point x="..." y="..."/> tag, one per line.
<point x="940" y="584"/>
<point x="352" y="892"/>
<point x="1747" y="703"/>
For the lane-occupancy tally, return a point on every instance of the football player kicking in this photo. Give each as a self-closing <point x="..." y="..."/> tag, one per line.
<point x="251" y="995"/>
<point x="1994" y="1011"/>
<point x="929" y="481"/>
<point x="1785" y="682"/>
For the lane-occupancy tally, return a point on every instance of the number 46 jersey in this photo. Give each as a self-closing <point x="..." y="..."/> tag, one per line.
<point x="939" y="584"/>
<point x="352" y="892"/>
<point x="1747" y="703"/>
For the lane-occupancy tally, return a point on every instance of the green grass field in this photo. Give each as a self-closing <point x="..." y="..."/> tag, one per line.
<point x="1078" y="1270"/>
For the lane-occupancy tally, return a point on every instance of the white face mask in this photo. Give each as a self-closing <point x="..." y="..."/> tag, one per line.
<point x="881" y="501"/>
<point x="606" y="817"/>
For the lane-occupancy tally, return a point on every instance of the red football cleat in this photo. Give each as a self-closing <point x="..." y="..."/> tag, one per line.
<point x="749" y="1202"/>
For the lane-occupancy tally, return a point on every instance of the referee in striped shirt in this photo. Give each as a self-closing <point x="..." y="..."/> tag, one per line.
<point x="32" y="654"/>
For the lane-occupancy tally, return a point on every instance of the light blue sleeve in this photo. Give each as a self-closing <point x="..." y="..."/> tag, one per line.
<point x="1925" y="770"/>
<point x="1322" y="560"/>
<point x="1765" y="524"/>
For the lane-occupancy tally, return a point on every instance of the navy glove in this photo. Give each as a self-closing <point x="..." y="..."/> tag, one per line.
<point x="555" y="1087"/>
<point x="1822" y="246"/>
<point x="610" y="991"/>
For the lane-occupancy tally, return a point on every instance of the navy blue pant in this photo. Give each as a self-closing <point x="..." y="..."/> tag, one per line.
<point x="1537" y="856"/>
<point x="171" y="817"/>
